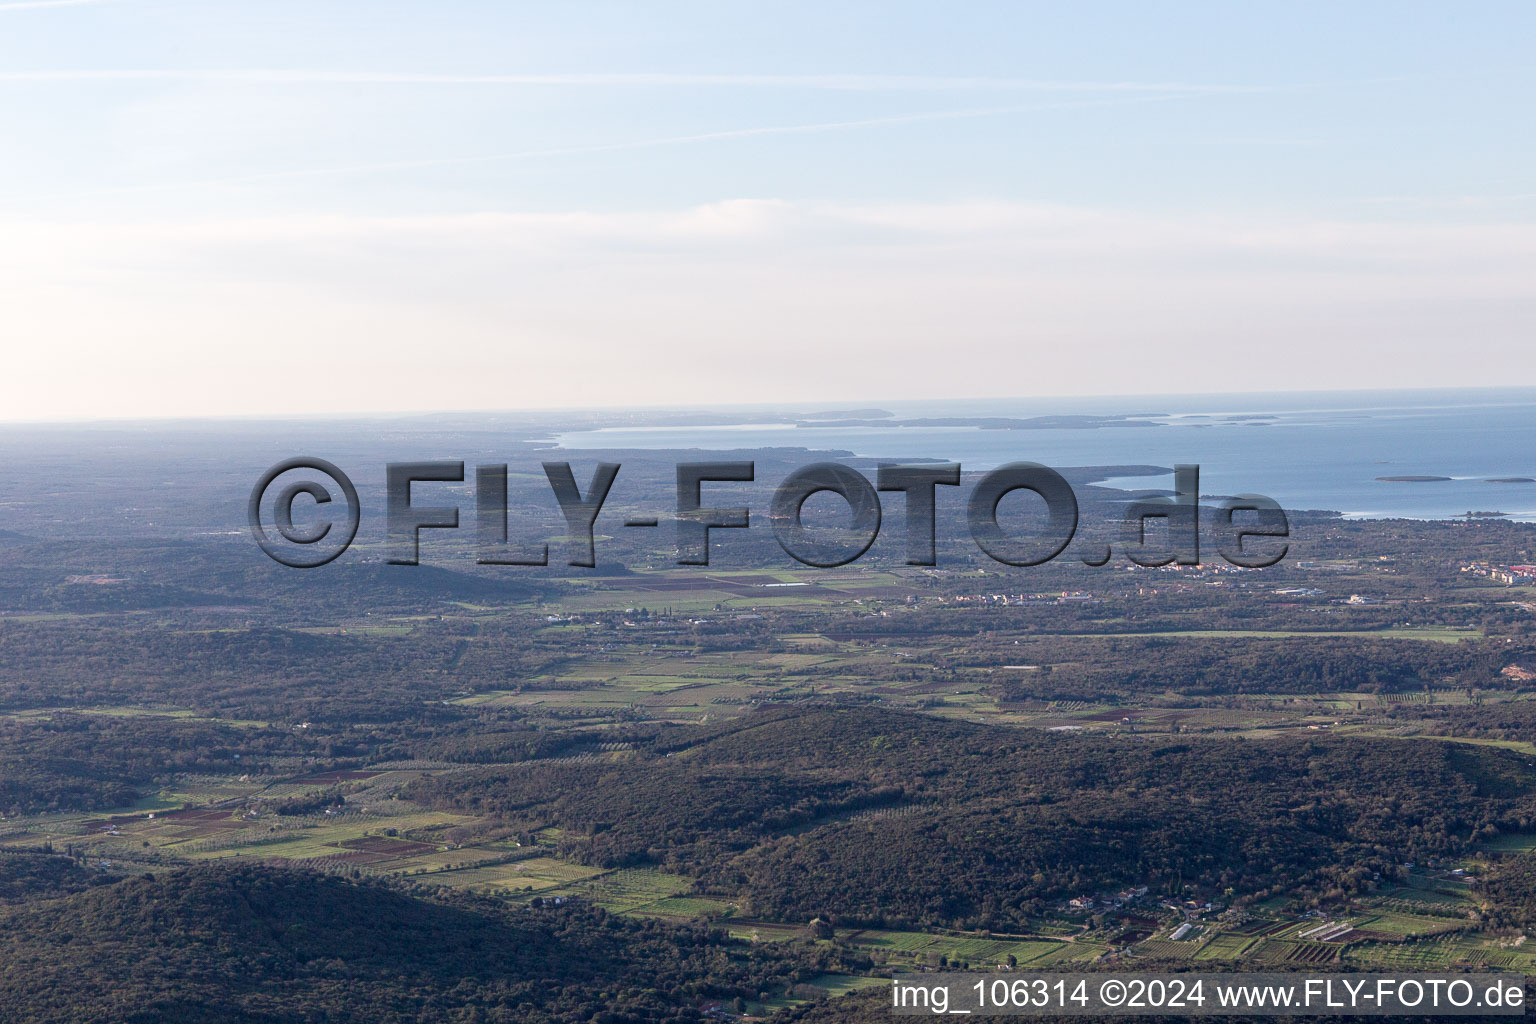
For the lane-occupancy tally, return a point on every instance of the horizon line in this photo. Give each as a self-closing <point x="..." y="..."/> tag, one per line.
<point x="371" y="415"/>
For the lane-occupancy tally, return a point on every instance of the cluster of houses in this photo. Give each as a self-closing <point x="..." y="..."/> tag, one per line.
<point x="1203" y="570"/>
<point x="1106" y="901"/>
<point x="1509" y="575"/>
<point x="1355" y="599"/>
<point x="1191" y="908"/>
<point x="1065" y="597"/>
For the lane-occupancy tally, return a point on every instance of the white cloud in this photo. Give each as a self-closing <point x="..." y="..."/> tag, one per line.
<point x="749" y="300"/>
<point x="152" y="138"/>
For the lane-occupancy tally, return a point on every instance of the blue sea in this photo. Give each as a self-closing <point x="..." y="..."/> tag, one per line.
<point x="1325" y="450"/>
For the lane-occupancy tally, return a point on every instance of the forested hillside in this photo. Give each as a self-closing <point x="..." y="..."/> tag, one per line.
<point x="251" y="944"/>
<point x="887" y="818"/>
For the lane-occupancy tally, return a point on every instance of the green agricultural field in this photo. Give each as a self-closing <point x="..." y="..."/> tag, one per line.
<point x="1271" y="951"/>
<point x="1071" y="952"/>
<point x="133" y="711"/>
<point x="972" y="949"/>
<point x="451" y="860"/>
<point x="903" y="942"/>
<point x="1511" y="842"/>
<point x="685" y="906"/>
<point x="763" y="931"/>
<point x="1408" y="956"/>
<point x="1225" y="947"/>
<point x="842" y="984"/>
<point x="1431" y="891"/>
<point x="1409" y="925"/>
<point x="309" y="838"/>
<point x="1438" y="634"/>
<point x="1166" y="949"/>
<point x="630" y="890"/>
<point x="533" y="876"/>
<point x="1516" y="745"/>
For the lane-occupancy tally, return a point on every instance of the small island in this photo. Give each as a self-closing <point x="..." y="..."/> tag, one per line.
<point x="1412" y="479"/>
<point x="1511" y="480"/>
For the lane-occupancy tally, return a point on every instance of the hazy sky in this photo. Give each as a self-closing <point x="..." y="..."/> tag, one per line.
<point x="280" y="207"/>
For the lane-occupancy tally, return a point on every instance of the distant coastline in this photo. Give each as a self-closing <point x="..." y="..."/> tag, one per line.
<point x="1436" y="452"/>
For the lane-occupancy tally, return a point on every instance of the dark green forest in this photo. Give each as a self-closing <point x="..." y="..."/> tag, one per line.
<point x="251" y="944"/>
<point x="894" y="819"/>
